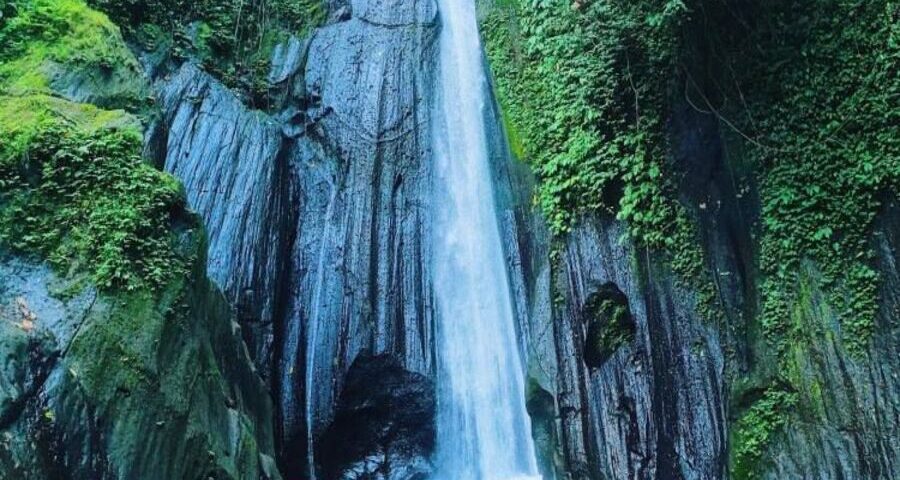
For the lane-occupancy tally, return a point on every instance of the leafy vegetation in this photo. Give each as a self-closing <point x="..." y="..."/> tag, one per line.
<point x="232" y="39"/>
<point x="805" y="93"/>
<point x="73" y="187"/>
<point x="754" y="430"/>
<point x="41" y="40"/>
<point x="86" y="200"/>
<point x="825" y="119"/>
<point x="584" y="90"/>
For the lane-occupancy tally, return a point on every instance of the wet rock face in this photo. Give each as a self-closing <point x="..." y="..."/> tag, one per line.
<point x="360" y="278"/>
<point x="855" y="432"/>
<point x="384" y="424"/>
<point x="542" y="409"/>
<point x="317" y="210"/>
<point x="655" y="400"/>
<point x="609" y="324"/>
<point x="340" y="175"/>
<point x="94" y="386"/>
<point x="229" y="160"/>
<point x="658" y="405"/>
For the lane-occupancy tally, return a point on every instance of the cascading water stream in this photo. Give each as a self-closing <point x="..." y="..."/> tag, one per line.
<point x="484" y="432"/>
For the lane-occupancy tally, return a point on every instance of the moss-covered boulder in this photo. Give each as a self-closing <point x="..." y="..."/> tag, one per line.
<point x="64" y="47"/>
<point x="118" y="357"/>
<point x="126" y="385"/>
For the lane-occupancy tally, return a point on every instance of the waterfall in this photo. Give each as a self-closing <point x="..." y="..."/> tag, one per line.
<point x="484" y="432"/>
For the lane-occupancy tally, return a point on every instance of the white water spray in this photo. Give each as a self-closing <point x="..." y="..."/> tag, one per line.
<point x="484" y="432"/>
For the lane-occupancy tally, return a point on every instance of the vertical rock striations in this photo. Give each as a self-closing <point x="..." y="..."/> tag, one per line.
<point x="317" y="212"/>
<point x="98" y="386"/>
<point x="362" y="168"/>
<point x="654" y="408"/>
<point x="231" y="164"/>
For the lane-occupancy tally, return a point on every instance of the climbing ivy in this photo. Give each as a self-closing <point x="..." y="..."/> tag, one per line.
<point x="822" y="100"/>
<point x="755" y="428"/>
<point x="584" y="92"/>
<point x="805" y="92"/>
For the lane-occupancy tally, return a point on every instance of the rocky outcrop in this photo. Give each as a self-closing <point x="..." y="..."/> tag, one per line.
<point x="658" y="400"/>
<point x="850" y="426"/>
<point x="384" y="424"/>
<point x="125" y="382"/>
<point x="231" y="162"/>
<point x="361" y="278"/>
<point x="662" y="405"/>
<point x="98" y="386"/>
<point x="317" y="211"/>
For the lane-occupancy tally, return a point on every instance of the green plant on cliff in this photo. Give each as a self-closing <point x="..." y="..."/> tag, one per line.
<point x="806" y="92"/>
<point x="580" y="87"/>
<point x="85" y="199"/>
<point x="73" y="187"/>
<point x="754" y="430"/>
<point x="826" y="120"/>
<point x="584" y="90"/>
<point x="232" y="39"/>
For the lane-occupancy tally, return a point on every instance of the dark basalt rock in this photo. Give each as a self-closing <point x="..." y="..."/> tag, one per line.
<point x="230" y="161"/>
<point x="384" y="424"/>
<point x="316" y="210"/>
<point x="653" y="402"/>
<point x="542" y="409"/>
<point x="609" y="323"/>
<point x="360" y="277"/>
<point x="100" y="386"/>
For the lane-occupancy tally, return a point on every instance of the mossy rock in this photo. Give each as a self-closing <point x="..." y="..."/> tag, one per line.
<point x="67" y="49"/>
<point x="127" y="384"/>
<point x="23" y="117"/>
<point x="610" y="325"/>
<point x="127" y="363"/>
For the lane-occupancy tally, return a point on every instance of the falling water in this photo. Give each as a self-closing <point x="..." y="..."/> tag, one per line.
<point x="484" y="432"/>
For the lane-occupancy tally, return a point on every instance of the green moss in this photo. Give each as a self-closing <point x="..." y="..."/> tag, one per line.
<point x="165" y="375"/>
<point x="49" y="38"/>
<point x="22" y="118"/>
<point x="753" y="432"/>
<point x="610" y="327"/>
<point x="85" y="200"/>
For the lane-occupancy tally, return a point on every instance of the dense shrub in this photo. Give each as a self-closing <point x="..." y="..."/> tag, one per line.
<point x="73" y="187"/>
<point x="85" y="200"/>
